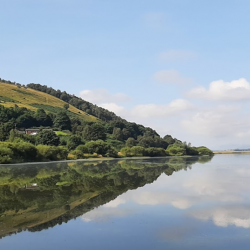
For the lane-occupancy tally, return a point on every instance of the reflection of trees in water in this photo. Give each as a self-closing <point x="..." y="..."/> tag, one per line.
<point x="74" y="188"/>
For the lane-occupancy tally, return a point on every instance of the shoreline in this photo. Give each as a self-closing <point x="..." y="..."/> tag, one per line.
<point x="101" y="159"/>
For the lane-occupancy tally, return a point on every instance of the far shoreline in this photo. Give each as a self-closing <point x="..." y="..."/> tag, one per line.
<point x="231" y="152"/>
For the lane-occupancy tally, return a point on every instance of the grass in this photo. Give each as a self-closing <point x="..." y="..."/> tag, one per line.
<point x="33" y="99"/>
<point x="7" y="99"/>
<point x="61" y="133"/>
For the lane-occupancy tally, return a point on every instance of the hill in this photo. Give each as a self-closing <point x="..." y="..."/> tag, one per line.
<point x="81" y="129"/>
<point x="11" y="95"/>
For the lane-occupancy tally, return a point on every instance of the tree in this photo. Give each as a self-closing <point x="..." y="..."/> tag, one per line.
<point x="42" y="118"/>
<point x="94" y="132"/>
<point x="169" y="139"/>
<point x="101" y="147"/>
<point x="25" y="121"/>
<point x="204" y="151"/>
<point x="13" y="135"/>
<point x="117" y="134"/>
<point x="131" y="142"/>
<point x="62" y="121"/>
<point x="48" y="137"/>
<point x="155" y="152"/>
<point x="73" y="142"/>
<point x="176" y="149"/>
<point x="66" y="106"/>
<point x="138" y="151"/>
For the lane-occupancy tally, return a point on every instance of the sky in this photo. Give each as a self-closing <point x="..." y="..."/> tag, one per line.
<point x="178" y="66"/>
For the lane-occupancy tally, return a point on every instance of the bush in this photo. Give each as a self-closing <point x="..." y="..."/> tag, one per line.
<point x="155" y="152"/>
<point x="5" y="154"/>
<point x="192" y="151"/>
<point x="83" y="149"/>
<point x="100" y="147"/>
<point x="77" y="154"/>
<point x="126" y="151"/>
<point x="52" y="153"/>
<point x="48" y="137"/>
<point x="24" y="151"/>
<point x="204" y="151"/>
<point x="175" y="149"/>
<point x="73" y="142"/>
<point x="138" y="151"/>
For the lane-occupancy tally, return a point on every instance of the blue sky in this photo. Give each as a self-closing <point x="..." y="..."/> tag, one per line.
<point x="151" y="62"/>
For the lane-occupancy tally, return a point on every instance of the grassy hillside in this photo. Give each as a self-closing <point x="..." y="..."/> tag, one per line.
<point x="11" y="95"/>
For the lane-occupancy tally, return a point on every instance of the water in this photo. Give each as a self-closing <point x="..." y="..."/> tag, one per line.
<point x="159" y="203"/>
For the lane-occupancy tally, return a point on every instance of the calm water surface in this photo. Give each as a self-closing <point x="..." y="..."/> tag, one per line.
<point x="161" y="203"/>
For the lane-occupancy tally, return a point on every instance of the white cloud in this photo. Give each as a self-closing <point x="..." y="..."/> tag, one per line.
<point x="104" y="214"/>
<point x="115" y="203"/>
<point x="118" y="110"/>
<point x="223" y="217"/>
<point x="236" y="90"/>
<point x="162" y="111"/>
<point x="177" y="55"/>
<point x="171" y="76"/>
<point x="157" y="198"/>
<point x="215" y="122"/>
<point x="99" y="96"/>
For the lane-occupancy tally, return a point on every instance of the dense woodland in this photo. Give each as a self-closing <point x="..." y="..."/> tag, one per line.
<point x="65" y="136"/>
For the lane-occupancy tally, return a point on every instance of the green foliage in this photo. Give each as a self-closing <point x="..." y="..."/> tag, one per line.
<point x="83" y="149"/>
<point x="17" y="152"/>
<point x="138" y="151"/>
<point x="204" y="151"/>
<point x="115" y="143"/>
<point x="94" y="132"/>
<point x="42" y="118"/>
<point x="152" y="152"/>
<point x="131" y="142"/>
<point x="141" y="151"/>
<point x="66" y="106"/>
<point x="24" y="151"/>
<point x="48" y="137"/>
<point x="62" y="121"/>
<point x="25" y="121"/>
<point x="101" y="147"/>
<point x="192" y="150"/>
<point x="13" y="135"/>
<point x="73" y="142"/>
<point x="176" y="149"/>
<point x="126" y="151"/>
<point x="52" y="153"/>
<point x="169" y="139"/>
<point x="6" y="154"/>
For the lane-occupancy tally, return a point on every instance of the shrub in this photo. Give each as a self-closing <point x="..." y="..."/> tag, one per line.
<point x="52" y="153"/>
<point x="175" y="149"/>
<point x="5" y="154"/>
<point x="138" y="151"/>
<point x="48" y="137"/>
<point x="77" y="153"/>
<point x="155" y="152"/>
<point x="204" y="151"/>
<point x="24" y="151"/>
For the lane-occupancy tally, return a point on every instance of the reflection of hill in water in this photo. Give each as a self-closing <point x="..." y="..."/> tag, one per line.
<point x="62" y="191"/>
